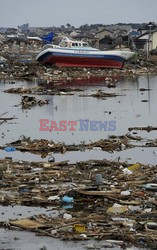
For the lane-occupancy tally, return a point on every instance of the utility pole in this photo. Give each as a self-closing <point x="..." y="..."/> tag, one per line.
<point x="148" y="39"/>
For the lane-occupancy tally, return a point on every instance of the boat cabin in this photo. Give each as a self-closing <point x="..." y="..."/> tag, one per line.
<point x="70" y="44"/>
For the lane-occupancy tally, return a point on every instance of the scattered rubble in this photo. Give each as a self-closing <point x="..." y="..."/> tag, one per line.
<point x="29" y="101"/>
<point x="24" y="90"/>
<point x="5" y="119"/>
<point x="151" y="143"/>
<point x="24" y="66"/>
<point x="96" y="199"/>
<point x="148" y="128"/>
<point x="42" y="91"/>
<point x="45" y="146"/>
<point x="100" y="94"/>
<point x="144" y="89"/>
<point x="2" y="60"/>
<point x="122" y="208"/>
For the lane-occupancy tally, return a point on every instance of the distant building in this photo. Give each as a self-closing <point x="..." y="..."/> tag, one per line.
<point x="24" y="28"/>
<point x="145" y="28"/>
<point x="134" y="33"/>
<point x="74" y="33"/>
<point x="10" y="31"/>
<point x="120" y="29"/>
<point x="16" y="38"/>
<point x="147" y="39"/>
<point x="122" y="46"/>
<point x="154" y="39"/>
<point x="106" y="42"/>
<point x="3" y="30"/>
<point x="103" y="33"/>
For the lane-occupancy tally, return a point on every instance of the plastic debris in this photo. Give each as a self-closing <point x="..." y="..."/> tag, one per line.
<point x="79" y="228"/>
<point x="151" y="187"/>
<point x="134" y="167"/>
<point x="53" y="198"/>
<point x="10" y="149"/>
<point x="67" y="199"/>
<point x="117" y="209"/>
<point x="126" y="193"/>
<point x="127" y="171"/>
<point x="67" y="216"/>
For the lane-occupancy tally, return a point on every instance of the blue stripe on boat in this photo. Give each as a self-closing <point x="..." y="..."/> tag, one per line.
<point x="109" y="57"/>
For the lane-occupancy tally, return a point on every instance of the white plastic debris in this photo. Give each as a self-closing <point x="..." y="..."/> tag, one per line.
<point x="126" y="193"/>
<point x="83" y="235"/>
<point x="53" y="198"/>
<point x="67" y="216"/>
<point x="127" y="171"/>
<point x="123" y="146"/>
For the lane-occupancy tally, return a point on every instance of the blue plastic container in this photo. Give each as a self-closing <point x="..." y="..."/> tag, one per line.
<point x="67" y="199"/>
<point x="10" y="149"/>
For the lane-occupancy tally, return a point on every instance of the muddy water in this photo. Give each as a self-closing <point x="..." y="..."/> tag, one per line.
<point x="127" y="109"/>
<point x="18" y="212"/>
<point x="138" y="154"/>
<point x="11" y="240"/>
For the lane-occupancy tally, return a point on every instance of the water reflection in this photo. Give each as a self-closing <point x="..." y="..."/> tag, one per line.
<point x="127" y="109"/>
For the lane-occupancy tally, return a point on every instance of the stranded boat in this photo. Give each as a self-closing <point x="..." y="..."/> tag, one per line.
<point x="71" y="53"/>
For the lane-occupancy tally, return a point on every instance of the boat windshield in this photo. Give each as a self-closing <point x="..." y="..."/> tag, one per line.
<point x="69" y="44"/>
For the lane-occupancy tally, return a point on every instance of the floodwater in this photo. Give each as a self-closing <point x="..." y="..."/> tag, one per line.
<point x="131" y="108"/>
<point x="17" y="240"/>
<point x="18" y="212"/>
<point x="138" y="154"/>
<point x="126" y="110"/>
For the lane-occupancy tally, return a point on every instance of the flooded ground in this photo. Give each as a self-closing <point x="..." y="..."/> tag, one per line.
<point x="25" y="240"/>
<point x="132" y="107"/>
<point x="127" y="110"/>
<point x="138" y="154"/>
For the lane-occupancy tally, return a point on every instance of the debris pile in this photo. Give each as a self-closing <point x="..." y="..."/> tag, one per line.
<point x="148" y="128"/>
<point x="24" y="66"/>
<point x="24" y="90"/>
<point x="42" y="91"/>
<point x="45" y="146"/>
<point x="28" y="101"/>
<point x="100" y="94"/>
<point x="5" y="119"/>
<point x="97" y="199"/>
